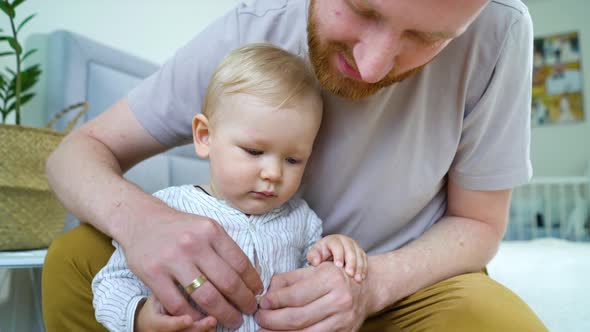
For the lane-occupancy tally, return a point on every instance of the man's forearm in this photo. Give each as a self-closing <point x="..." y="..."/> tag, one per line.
<point x="88" y="180"/>
<point x="451" y="247"/>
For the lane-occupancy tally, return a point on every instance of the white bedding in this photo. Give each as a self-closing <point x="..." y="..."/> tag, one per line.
<point x="552" y="276"/>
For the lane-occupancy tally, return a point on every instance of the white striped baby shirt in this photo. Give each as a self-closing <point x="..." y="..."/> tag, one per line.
<point x="280" y="239"/>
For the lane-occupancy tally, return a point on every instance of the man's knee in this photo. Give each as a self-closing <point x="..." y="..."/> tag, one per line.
<point x="71" y="262"/>
<point x="479" y="303"/>
<point x="83" y="248"/>
<point x="465" y="303"/>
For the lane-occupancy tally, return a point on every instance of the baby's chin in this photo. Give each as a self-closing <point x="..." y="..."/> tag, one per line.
<point x="258" y="209"/>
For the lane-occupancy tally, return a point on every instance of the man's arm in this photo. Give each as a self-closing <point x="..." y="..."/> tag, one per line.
<point x="463" y="241"/>
<point x="86" y="173"/>
<point x="90" y="162"/>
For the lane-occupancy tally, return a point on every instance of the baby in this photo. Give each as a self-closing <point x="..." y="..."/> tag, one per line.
<point x="260" y="117"/>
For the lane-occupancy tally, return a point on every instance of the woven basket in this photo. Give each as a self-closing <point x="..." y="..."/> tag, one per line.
<point x="30" y="215"/>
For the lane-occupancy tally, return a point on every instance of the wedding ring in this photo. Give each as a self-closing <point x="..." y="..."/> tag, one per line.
<point x="198" y="282"/>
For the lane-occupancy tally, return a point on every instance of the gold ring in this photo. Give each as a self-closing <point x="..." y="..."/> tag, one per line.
<point x="198" y="282"/>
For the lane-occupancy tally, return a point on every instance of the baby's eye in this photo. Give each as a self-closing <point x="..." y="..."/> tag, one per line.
<point x="253" y="152"/>
<point x="292" y="161"/>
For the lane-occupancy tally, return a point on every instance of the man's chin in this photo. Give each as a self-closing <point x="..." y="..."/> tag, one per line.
<point x="351" y="88"/>
<point x="354" y="89"/>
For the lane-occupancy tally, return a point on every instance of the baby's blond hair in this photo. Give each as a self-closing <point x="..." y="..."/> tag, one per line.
<point x="265" y="71"/>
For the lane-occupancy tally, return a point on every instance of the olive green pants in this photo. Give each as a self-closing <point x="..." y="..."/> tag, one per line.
<point x="470" y="302"/>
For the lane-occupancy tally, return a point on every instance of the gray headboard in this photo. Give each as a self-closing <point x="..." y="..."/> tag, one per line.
<point x="80" y="69"/>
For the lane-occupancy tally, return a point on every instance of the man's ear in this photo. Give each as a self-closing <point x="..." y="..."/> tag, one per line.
<point x="201" y="135"/>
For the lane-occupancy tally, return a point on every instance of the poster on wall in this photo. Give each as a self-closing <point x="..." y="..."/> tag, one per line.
<point x="557" y="80"/>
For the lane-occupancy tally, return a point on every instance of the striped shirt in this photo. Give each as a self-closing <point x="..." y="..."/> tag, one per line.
<point x="274" y="242"/>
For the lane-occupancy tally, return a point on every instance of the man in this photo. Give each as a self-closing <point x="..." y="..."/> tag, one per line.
<point x="425" y="132"/>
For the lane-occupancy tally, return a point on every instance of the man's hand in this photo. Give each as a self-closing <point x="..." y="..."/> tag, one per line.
<point x="321" y="299"/>
<point x="178" y="250"/>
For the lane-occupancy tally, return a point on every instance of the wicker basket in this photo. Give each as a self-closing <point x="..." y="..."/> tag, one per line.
<point x="30" y="215"/>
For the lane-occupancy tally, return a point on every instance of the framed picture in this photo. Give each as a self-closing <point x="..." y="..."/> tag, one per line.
<point x="557" y="80"/>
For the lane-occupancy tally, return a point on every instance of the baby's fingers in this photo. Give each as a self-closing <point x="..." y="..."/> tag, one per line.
<point x="206" y="324"/>
<point x="362" y="264"/>
<point x="350" y="257"/>
<point x="165" y="323"/>
<point x="318" y="253"/>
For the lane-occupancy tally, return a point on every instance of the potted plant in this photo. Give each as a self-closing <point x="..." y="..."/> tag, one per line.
<point x="30" y="215"/>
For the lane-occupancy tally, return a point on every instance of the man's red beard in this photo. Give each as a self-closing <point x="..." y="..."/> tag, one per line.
<point x="332" y="80"/>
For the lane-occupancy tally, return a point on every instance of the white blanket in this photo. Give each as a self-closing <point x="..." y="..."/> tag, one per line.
<point x="552" y="276"/>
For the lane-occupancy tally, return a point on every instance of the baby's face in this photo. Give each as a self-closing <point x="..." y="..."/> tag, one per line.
<point x="258" y="153"/>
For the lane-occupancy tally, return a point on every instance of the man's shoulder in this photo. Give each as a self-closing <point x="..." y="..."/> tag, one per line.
<point x="282" y="22"/>
<point x="503" y="14"/>
<point x="515" y="7"/>
<point x="261" y="8"/>
<point x="491" y="29"/>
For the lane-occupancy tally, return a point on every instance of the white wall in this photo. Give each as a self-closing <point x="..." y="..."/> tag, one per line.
<point x="563" y="149"/>
<point x="150" y="29"/>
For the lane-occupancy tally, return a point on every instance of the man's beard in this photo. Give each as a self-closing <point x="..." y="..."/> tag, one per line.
<point x="334" y="81"/>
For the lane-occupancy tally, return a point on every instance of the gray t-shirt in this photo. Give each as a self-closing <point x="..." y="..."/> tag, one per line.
<point x="380" y="165"/>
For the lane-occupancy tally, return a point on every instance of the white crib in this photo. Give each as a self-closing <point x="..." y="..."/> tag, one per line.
<point x="555" y="207"/>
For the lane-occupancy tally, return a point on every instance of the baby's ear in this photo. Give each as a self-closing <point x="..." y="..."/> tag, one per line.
<point x="201" y="135"/>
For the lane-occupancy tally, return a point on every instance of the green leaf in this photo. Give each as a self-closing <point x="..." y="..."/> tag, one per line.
<point x="7" y="8"/>
<point x="16" y="3"/>
<point x="20" y="26"/>
<point x="29" y="77"/>
<point x="12" y="72"/>
<point x="26" y="98"/>
<point x="23" y="99"/>
<point x="15" y="45"/>
<point x="28" y="54"/>
<point x="6" y="53"/>
<point x="11" y="107"/>
<point x="3" y="38"/>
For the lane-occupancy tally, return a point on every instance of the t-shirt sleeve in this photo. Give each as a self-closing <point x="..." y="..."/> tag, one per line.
<point x="166" y="102"/>
<point x="494" y="148"/>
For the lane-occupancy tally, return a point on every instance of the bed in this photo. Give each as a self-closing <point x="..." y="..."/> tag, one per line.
<point x="551" y="275"/>
<point x="545" y="256"/>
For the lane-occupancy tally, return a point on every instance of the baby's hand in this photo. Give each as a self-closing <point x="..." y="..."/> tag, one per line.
<point x="344" y="251"/>
<point x="151" y="316"/>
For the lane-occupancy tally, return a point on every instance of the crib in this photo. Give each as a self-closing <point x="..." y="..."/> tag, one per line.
<point x="556" y="207"/>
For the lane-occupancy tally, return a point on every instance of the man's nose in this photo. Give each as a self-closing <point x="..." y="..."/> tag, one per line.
<point x="375" y="54"/>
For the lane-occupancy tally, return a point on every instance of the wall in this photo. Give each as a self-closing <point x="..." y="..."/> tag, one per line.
<point x="563" y="149"/>
<point x="148" y="28"/>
